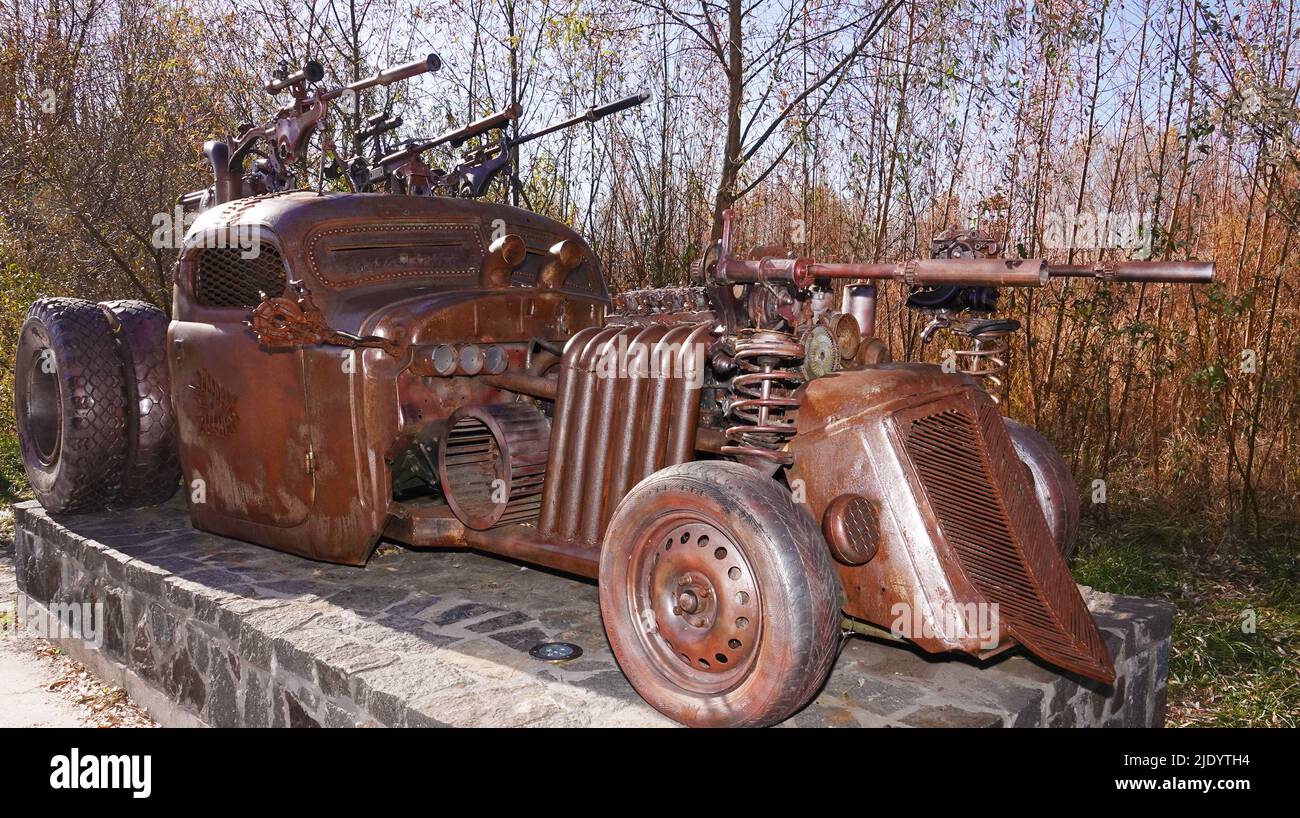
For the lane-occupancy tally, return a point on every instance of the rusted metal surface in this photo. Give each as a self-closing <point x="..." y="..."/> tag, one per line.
<point x="986" y="359"/>
<point x="961" y="271"/>
<point x="426" y="524"/>
<point x="287" y="323"/>
<point x="384" y="342"/>
<point x="627" y="405"/>
<point x="525" y="543"/>
<point x="566" y="256"/>
<point x="454" y="374"/>
<point x="990" y="518"/>
<point x="698" y="586"/>
<point x="960" y="523"/>
<point x="852" y="529"/>
<point x="1054" y="486"/>
<point x="667" y="305"/>
<point x="308" y="473"/>
<point x="504" y="257"/>
<point x="765" y="402"/>
<point x="1155" y="272"/>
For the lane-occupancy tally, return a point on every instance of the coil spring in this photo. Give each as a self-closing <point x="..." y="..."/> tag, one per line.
<point x="987" y="359"/>
<point x="763" y="395"/>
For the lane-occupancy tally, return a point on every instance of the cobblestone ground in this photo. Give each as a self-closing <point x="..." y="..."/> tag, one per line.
<point x="240" y="634"/>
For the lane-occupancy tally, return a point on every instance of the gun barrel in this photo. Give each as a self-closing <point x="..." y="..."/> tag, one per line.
<point x="623" y="104"/>
<point x="1153" y="272"/>
<point x="498" y="120"/>
<point x="390" y="75"/>
<point x="961" y="272"/>
<point x="589" y="115"/>
<point x="379" y="124"/>
<point x="311" y="71"/>
<point x="455" y="137"/>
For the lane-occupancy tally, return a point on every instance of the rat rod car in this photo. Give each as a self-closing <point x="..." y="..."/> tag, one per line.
<point x="736" y="462"/>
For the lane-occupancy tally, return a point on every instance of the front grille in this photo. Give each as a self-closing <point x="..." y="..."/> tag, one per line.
<point x="223" y="277"/>
<point x="989" y="517"/>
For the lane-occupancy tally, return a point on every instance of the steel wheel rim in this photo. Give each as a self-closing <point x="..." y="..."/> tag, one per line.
<point x="696" y="604"/>
<point x="42" y="407"/>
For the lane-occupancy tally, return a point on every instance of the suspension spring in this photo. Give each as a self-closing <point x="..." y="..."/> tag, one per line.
<point x="763" y="401"/>
<point x="986" y="359"/>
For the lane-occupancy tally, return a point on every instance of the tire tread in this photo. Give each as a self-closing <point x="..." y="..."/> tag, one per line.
<point x="151" y="472"/>
<point x="92" y="448"/>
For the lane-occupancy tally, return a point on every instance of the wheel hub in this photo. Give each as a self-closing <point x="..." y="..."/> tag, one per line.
<point x="44" y="418"/>
<point x="698" y="604"/>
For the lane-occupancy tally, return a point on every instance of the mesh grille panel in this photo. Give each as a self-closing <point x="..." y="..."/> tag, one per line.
<point x="224" y="278"/>
<point x="990" y="529"/>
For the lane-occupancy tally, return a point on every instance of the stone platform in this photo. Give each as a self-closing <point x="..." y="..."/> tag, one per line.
<point x="201" y="629"/>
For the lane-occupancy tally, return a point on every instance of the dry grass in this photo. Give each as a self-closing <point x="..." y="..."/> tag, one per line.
<point x="1221" y="674"/>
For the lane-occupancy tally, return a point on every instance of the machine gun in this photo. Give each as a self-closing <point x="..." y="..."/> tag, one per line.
<point x="777" y="309"/>
<point x="357" y="168"/>
<point x="477" y="168"/>
<point x="292" y="127"/>
<point x="406" y="172"/>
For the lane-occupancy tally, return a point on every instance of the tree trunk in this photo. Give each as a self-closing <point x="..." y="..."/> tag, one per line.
<point x="726" y="195"/>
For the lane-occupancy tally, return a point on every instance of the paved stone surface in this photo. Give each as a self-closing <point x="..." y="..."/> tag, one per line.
<point x="241" y="635"/>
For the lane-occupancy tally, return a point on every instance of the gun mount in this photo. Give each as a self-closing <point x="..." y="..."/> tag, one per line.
<point x="290" y="129"/>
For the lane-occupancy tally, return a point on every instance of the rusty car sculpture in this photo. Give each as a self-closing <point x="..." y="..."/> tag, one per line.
<point x="736" y="462"/>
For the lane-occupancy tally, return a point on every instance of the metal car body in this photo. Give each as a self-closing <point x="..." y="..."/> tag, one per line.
<point x="291" y="447"/>
<point x="295" y="448"/>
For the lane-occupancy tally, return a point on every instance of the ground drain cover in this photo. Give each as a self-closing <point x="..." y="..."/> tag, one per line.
<point x="555" y="651"/>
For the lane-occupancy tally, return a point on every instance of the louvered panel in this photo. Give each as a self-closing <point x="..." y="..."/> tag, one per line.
<point x="988" y="516"/>
<point x="624" y="410"/>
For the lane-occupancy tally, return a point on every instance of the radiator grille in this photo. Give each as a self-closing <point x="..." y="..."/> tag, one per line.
<point x="989" y="517"/>
<point x="224" y="278"/>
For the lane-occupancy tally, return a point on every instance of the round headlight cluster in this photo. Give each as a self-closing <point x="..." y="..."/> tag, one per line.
<point x="445" y="360"/>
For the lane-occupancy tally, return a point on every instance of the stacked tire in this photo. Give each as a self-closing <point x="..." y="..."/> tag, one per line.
<point x="93" y="403"/>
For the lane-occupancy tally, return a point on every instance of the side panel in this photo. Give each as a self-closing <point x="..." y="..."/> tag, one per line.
<point x="352" y="413"/>
<point x="960" y="522"/>
<point x="844" y="445"/>
<point x="242" y="424"/>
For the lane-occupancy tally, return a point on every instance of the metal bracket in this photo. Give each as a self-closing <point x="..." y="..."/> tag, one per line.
<point x="283" y="322"/>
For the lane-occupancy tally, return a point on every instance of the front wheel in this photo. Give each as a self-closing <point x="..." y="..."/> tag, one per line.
<point x="719" y="596"/>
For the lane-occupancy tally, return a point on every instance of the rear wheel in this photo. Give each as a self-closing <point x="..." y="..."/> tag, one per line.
<point x="152" y="469"/>
<point x="719" y="596"/>
<point x="69" y="399"/>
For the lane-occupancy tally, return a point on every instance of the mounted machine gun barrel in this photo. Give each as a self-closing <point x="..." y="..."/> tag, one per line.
<point x="1152" y="272"/>
<point x="388" y="76"/>
<point x="454" y="137"/>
